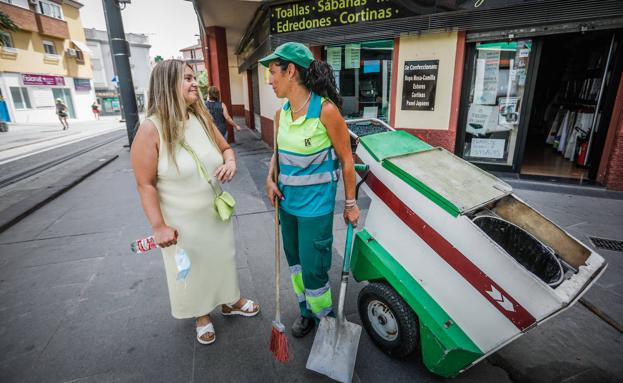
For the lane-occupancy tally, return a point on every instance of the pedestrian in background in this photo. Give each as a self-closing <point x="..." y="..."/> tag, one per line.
<point x="179" y="202"/>
<point x="62" y="112"/>
<point x="95" y="108"/>
<point x="312" y="142"/>
<point x="219" y="112"/>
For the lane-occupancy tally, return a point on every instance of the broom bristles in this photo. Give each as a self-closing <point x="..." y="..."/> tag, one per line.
<point x="279" y="344"/>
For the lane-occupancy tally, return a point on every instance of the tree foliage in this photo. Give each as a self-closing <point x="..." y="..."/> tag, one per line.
<point x="6" y="23"/>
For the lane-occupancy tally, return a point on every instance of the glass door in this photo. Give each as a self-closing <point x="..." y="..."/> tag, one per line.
<point x="494" y="102"/>
<point x="65" y="95"/>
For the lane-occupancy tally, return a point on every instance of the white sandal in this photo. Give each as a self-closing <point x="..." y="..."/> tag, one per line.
<point x="244" y="310"/>
<point x="201" y="331"/>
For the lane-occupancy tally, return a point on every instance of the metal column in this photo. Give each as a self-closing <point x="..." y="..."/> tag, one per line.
<point x="120" y="51"/>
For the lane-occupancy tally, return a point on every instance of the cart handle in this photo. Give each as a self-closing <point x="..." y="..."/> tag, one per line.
<point x="347" y="250"/>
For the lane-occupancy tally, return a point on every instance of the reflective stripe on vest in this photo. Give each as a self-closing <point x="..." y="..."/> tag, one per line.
<point x="308" y="165"/>
<point x="314" y="169"/>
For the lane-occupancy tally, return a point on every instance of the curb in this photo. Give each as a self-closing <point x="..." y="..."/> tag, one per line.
<point x="22" y="209"/>
<point x="584" y="191"/>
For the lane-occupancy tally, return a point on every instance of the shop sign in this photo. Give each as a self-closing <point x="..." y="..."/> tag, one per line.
<point x="419" y="85"/>
<point x="105" y="93"/>
<point x="82" y="84"/>
<point x="42" y="80"/>
<point x="315" y="14"/>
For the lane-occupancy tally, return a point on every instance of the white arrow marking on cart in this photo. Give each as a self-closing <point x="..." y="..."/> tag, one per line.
<point x="501" y="299"/>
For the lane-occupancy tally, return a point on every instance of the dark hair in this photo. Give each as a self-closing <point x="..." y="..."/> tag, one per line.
<point x="214" y="94"/>
<point x="318" y="78"/>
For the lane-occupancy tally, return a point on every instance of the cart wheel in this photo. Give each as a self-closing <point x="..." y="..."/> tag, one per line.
<point x="388" y="319"/>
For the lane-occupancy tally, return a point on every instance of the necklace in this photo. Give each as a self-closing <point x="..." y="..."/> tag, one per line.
<point x="302" y="106"/>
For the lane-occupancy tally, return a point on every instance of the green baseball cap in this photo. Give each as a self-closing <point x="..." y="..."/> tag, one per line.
<point x="293" y="52"/>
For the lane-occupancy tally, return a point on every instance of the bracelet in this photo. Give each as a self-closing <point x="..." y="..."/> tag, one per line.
<point x="350" y="207"/>
<point x="351" y="201"/>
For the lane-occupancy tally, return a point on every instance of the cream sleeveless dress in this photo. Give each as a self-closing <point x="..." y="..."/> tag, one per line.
<point x="186" y="201"/>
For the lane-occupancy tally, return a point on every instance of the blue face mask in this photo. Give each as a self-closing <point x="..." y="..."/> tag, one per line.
<point x="183" y="264"/>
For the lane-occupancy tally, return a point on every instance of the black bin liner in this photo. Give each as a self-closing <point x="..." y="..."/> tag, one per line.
<point x="531" y="253"/>
<point x="365" y="128"/>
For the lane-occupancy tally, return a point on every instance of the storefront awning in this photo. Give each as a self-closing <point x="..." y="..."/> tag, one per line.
<point x="83" y="47"/>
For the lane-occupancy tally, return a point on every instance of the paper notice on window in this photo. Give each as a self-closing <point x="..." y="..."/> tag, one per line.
<point x="352" y="56"/>
<point x="508" y="114"/>
<point x="487" y="148"/>
<point x="334" y="57"/>
<point x="481" y="120"/>
<point x="487" y="77"/>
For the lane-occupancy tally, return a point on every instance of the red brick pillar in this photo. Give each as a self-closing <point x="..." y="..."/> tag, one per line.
<point x="316" y="50"/>
<point x="217" y="66"/>
<point x="249" y="114"/>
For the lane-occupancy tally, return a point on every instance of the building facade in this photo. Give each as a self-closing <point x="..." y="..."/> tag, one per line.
<point x="193" y="55"/>
<point x="104" y="80"/>
<point x="45" y="59"/>
<point x="527" y="87"/>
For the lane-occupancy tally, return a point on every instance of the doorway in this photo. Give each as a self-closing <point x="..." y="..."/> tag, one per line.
<point x="572" y="104"/>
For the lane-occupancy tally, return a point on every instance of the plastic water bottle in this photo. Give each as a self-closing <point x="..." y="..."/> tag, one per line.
<point x="141" y="246"/>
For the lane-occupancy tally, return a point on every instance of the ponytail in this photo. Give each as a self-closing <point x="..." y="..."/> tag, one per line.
<point x="319" y="79"/>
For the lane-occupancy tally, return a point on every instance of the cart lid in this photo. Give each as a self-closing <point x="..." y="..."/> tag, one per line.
<point x="449" y="181"/>
<point x="392" y="144"/>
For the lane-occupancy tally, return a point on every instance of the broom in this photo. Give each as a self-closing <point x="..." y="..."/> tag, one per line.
<point x="278" y="339"/>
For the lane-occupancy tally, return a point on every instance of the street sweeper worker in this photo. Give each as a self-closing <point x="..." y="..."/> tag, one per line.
<point x="312" y="143"/>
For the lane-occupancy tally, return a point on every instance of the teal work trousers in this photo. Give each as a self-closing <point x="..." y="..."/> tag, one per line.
<point x="308" y="243"/>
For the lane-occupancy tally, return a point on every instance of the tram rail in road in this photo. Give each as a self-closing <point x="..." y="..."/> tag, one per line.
<point x="45" y="165"/>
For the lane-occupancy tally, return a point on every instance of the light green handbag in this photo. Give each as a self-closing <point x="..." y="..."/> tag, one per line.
<point x="224" y="203"/>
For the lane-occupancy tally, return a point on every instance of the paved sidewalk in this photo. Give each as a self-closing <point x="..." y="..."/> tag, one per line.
<point x="76" y="305"/>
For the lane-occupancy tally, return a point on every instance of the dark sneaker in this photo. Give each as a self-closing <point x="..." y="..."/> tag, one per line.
<point x="302" y="326"/>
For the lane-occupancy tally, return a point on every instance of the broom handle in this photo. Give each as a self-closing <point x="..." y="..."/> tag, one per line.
<point x="277" y="264"/>
<point x="277" y="244"/>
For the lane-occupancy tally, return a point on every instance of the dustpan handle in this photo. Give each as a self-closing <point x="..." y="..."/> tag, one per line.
<point x="347" y="249"/>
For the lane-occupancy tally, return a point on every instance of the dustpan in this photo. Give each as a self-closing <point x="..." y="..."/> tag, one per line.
<point x="335" y="346"/>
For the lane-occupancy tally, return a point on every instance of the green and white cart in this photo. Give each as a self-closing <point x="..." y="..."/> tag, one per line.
<point x="456" y="263"/>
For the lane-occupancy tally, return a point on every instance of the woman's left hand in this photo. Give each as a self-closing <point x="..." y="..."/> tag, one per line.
<point x="226" y="172"/>
<point x="351" y="215"/>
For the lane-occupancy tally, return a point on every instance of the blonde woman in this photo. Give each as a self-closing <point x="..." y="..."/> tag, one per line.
<point x="178" y="202"/>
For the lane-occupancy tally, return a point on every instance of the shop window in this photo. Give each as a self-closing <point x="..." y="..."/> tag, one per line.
<point x="493" y="109"/>
<point x="50" y="9"/>
<point x="363" y="75"/>
<point x="49" y="47"/>
<point x="20" y="98"/>
<point x="6" y="40"/>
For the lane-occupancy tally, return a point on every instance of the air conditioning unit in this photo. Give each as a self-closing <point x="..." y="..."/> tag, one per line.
<point x="71" y="52"/>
